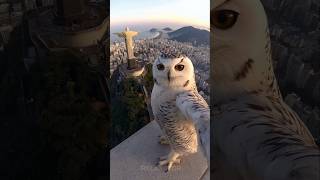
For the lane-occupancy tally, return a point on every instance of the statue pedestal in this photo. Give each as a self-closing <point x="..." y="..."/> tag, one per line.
<point x="132" y="64"/>
<point x="131" y="72"/>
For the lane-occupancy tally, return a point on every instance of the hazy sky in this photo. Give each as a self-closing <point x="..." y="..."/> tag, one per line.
<point x="186" y="12"/>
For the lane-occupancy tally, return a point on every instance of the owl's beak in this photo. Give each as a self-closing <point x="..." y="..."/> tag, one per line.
<point x="168" y="75"/>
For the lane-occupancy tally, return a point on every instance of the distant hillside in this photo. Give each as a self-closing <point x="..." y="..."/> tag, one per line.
<point x="153" y="30"/>
<point x="190" y="34"/>
<point x="167" y="29"/>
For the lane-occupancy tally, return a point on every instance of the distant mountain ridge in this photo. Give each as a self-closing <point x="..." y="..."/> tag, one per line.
<point x="156" y="29"/>
<point x="167" y="29"/>
<point x="192" y="35"/>
<point x="153" y="30"/>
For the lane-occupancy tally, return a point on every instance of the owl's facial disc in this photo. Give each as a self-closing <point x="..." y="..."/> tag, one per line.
<point x="239" y="30"/>
<point x="225" y="21"/>
<point x="239" y="41"/>
<point x="173" y="72"/>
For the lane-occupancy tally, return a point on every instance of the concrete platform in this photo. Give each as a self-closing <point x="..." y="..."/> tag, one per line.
<point x="136" y="159"/>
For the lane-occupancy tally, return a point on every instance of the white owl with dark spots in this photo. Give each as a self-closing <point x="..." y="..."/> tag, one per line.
<point x="177" y="105"/>
<point x="256" y="134"/>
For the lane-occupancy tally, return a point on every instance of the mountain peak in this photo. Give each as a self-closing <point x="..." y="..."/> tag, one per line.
<point x="191" y="34"/>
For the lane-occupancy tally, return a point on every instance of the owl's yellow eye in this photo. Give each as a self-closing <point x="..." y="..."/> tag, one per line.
<point x="223" y="19"/>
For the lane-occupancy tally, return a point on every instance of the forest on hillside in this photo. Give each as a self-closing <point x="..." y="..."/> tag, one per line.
<point x="54" y="117"/>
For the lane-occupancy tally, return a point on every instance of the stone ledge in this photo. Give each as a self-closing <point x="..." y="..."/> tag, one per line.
<point x="136" y="158"/>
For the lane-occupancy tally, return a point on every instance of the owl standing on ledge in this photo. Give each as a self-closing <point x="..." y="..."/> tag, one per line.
<point x="176" y="105"/>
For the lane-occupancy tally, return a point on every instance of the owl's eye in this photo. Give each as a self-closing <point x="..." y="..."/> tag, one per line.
<point x="179" y="67"/>
<point x="160" y="67"/>
<point x="223" y="19"/>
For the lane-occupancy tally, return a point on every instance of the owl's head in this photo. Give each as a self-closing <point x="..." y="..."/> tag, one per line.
<point x="173" y="72"/>
<point x="241" y="46"/>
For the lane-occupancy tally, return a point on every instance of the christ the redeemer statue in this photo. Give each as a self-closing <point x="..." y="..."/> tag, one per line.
<point x="128" y="35"/>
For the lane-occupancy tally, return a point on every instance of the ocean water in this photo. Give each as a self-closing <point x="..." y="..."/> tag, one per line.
<point x="143" y="29"/>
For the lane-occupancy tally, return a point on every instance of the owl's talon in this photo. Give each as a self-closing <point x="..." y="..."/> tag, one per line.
<point x="169" y="160"/>
<point x="178" y="160"/>
<point x="169" y="166"/>
<point x="163" y="140"/>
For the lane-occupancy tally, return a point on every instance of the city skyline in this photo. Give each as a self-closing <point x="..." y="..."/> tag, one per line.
<point x="160" y="13"/>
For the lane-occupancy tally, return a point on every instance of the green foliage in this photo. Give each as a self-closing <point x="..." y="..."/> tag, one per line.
<point x="72" y="130"/>
<point x="129" y="111"/>
<point x="148" y="78"/>
<point x="133" y="98"/>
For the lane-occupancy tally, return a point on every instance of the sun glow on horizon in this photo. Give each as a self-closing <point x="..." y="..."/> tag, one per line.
<point x="187" y="12"/>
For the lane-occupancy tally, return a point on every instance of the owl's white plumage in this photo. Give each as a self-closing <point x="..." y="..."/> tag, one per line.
<point x="257" y="136"/>
<point x="176" y="105"/>
<point x="247" y="39"/>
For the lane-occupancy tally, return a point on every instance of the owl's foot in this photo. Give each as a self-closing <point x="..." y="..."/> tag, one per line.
<point x="169" y="160"/>
<point x="163" y="140"/>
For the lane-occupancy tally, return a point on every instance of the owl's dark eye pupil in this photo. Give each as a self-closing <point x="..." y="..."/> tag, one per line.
<point x="160" y="67"/>
<point x="224" y="19"/>
<point x="179" y="67"/>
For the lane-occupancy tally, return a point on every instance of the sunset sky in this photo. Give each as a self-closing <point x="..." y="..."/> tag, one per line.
<point x="180" y="12"/>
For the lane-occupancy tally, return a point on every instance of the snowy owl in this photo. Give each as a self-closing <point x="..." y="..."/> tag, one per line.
<point x="256" y="135"/>
<point x="176" y="105"/>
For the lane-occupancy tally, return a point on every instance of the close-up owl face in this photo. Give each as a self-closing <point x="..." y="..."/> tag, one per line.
<point x="239" y="33"/>
<point x="239" y="39"/>
<point x="173" y="72"/>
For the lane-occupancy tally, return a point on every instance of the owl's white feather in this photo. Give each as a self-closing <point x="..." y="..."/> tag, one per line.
<point x="257" y="136"/>
<point x="193" y="106"/>
<point x="176" y="105"/>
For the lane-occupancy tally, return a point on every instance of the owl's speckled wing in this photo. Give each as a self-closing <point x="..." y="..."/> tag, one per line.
<point x="261" y="136"/>
<point x="194" y="107"/>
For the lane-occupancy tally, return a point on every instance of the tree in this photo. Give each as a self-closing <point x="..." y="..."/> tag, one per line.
<point x="73" y="131"/>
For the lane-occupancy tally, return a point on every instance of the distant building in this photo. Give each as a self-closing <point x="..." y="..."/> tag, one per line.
<point x="38" y="4"/>
<point x="148" y="50"/>
<point x="5" y="34"/>
<point x="30" y="5"/>
<point x="10" y="15"/>
<point x="10" y="12"/>
<point x="71" y="24"/>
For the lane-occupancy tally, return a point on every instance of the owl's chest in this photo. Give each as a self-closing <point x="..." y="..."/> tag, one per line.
<point x="163" y="104"/>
